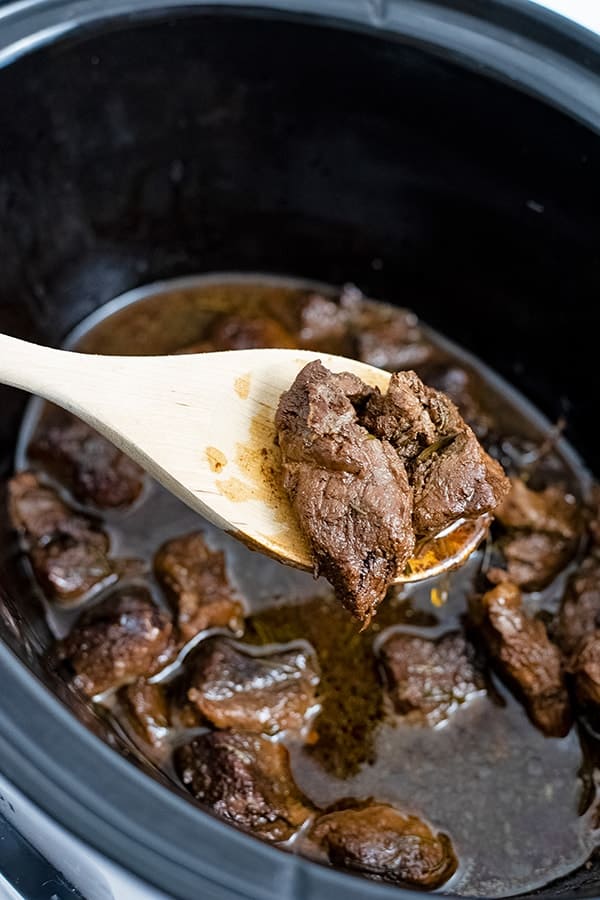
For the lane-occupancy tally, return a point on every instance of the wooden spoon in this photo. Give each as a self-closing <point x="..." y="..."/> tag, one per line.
<point x="203" y="425"/>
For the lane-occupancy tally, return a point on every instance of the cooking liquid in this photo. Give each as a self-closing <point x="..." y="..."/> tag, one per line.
<point x="510" y="798"/>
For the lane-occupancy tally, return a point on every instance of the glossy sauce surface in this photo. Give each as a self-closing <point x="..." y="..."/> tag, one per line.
<point x="510" y="798"/>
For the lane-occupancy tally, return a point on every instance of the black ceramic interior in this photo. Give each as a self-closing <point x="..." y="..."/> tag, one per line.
<point x="218" y="141"/>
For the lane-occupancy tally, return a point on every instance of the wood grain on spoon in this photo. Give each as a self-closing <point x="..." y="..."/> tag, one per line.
<point x="203" y="425"/>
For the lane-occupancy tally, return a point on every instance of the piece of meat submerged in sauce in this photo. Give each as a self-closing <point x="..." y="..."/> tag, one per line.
<point x="541" y="529"/>
<point x="386" y="844"/>
<point x="524" y="654"/>
<point x="247" y="780"/>
<point x="116" y="641"/>
<point x="242" y="333"/>
<point x="194" y="579"/>
<point x="95" y="469"/>
<point x="367" y="473"/>
<point x="579" y="614"/>
<point x="251" y="687"/>
<point x="233" y="687"/>
<point x="146" y="709"/>
<point x="429" y="679"/>
<point x="69" y="551"/>
<point x="577" y="631"/>
<point x="461" y="387"/>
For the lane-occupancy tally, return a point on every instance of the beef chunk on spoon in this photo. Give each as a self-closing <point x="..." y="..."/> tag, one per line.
<point x="368" y="473"/>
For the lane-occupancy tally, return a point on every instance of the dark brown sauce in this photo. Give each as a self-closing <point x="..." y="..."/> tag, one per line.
<point x="508" y="797"/>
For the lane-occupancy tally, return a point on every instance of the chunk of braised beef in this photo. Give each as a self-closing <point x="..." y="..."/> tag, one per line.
<point x="195" y="581"/>
<point x="230" y="332"/>
<point x="530" y="560"/>
<point x="385" y="336"/>
<point x="322" y="324"/>
<point x="428" y="679"/>
<point x="349" y="491"/>
<point x="525" y="656"/>
<point x="122" y="638"/>
<point x="68" y="551"/>
<point x="146" y="707"/>
<point x="462" y="388"/>
<point x="541" y="534"/>
<point x="382" y="335"/>
<point x="584" y="666"/>
<point x="552" y="511"/>
<point x="245" y="779"/>
<point x="579" y="614"/>
<point x="93" y="468"/>
<point x="577" y="631"/>
<point x="386" y="844"/>
<point x="236" y="687"/>
<point x="365" y="471"/>
<point x="451" y="474"/>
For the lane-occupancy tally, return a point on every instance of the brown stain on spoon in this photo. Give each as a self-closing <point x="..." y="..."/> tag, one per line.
<point x="241" y="386"/>
<point x="216" y="459"/>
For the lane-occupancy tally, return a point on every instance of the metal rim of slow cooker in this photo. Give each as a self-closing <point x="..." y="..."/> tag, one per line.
<point x="44" y="751"/>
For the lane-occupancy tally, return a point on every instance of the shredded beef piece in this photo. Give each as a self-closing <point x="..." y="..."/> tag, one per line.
<point x="118" y="640"/>
<point x="365" y="471"/>
<point x="195" y="580"/>
<point x="246" y="780"/>
<point x="146" y="707"/>
<point x="68" y="551"/>
<point x="386" y="844"/>
<point x="524" y="654"/>
<point x="234" y="688"/>
<point x="93" y="468"/>
<point x="429" y="679"/>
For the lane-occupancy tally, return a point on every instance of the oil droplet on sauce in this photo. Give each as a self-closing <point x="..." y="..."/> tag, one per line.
<point x="241" y="386"/>
<point x="438" y="596"/>
<point x="216" y="459"/>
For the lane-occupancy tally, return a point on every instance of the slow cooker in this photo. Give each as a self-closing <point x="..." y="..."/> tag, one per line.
<point x="445" y="154"/>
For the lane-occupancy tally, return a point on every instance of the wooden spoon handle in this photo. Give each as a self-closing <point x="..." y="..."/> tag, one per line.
<point x="72" y="380"/>
<point x="31" y="367"/>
